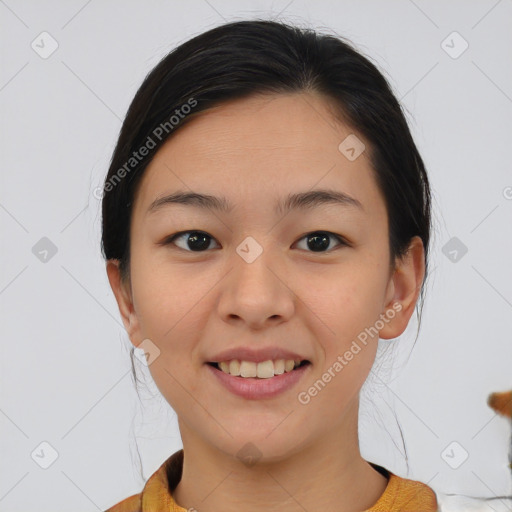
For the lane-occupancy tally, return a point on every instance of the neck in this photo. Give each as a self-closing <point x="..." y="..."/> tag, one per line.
<point x="328" y="475"/>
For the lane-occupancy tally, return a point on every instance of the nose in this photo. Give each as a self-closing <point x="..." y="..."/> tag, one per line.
<point x="257" y="294"/>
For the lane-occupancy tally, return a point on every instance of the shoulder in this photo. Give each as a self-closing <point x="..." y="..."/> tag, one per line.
<point x="156" y="490"/>
<point x="404" y="495"/>
<point x="130" y="504"/>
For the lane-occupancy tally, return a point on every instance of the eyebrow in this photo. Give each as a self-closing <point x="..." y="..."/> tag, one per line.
<point x="297" y="201"/>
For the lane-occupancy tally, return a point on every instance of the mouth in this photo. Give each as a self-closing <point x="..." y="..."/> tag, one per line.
<point x="248" y="370"/>
<point x="252" y="382"/>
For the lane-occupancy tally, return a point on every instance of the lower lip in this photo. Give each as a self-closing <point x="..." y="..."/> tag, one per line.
<point x="254" y="389"/>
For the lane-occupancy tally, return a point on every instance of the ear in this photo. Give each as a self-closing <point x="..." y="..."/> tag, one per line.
<point x="403" y="290"/>
<point x="123" y="293"/>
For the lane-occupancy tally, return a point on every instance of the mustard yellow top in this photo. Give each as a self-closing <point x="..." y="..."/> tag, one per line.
<point x="400" y="495"/>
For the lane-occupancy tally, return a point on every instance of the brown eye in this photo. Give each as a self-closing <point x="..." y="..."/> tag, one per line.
<point x="192" y="241"/>
<point x="318" y="241"/>
<point x="199" y="241"/>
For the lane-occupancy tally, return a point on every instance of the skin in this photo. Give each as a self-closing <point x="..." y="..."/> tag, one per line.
<point x="193" y="304"/>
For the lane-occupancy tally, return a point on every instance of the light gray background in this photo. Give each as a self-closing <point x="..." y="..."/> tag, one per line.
<point x="64" y="363"/>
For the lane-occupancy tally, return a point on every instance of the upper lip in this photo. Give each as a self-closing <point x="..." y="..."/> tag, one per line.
<point x="255" y="355"/>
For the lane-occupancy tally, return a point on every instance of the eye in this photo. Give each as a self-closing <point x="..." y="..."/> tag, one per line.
<point x="199" y="241"/>
<point x="194" y="241"/>
<point x="317" y="241"/>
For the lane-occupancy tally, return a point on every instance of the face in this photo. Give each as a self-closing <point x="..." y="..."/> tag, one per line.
<point x="308" y="279"/>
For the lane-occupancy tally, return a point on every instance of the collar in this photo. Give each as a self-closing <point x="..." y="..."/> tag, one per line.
<point x="400" y="493"/>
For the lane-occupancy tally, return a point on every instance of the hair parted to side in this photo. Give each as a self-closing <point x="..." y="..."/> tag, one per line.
<point x="244" y="58"/>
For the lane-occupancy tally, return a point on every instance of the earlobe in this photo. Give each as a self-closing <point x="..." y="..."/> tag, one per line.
<point x="403" y="290"/>
<point x="123" y="295"/>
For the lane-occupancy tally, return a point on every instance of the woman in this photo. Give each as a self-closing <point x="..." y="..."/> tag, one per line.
<point x="266" y="218"/>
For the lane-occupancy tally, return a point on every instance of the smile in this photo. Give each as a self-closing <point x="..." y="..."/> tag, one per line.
<point x="250" y="385"/>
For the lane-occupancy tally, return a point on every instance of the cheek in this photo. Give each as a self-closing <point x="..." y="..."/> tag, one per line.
<point x="346" y="300"/>
<point x="166" y="297"/>
<point x="349" y="351"/>
<point x="171" y="312"/>
<point x="173" y="305"/>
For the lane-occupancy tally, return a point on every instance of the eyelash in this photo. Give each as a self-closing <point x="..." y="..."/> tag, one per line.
<point x="342" y="242"/>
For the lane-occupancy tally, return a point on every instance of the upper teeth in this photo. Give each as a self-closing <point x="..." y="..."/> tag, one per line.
<point x="263" y="370"/>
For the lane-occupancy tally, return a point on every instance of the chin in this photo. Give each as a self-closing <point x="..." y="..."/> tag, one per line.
<point x="253" y="447"/>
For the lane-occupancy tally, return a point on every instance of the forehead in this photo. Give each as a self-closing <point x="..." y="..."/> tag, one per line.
<point x="263" y="123"/>
<point x="260" y="148"/>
